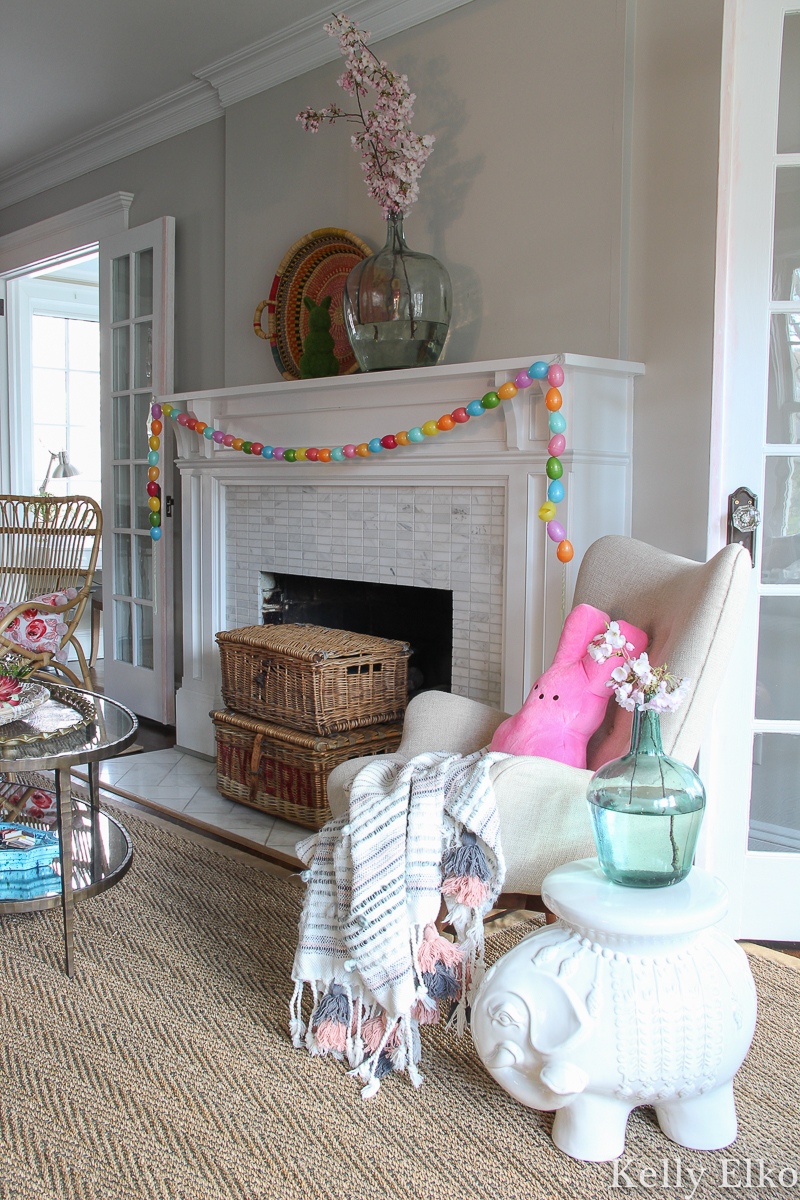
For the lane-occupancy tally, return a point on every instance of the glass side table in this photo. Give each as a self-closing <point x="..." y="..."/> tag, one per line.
<point x="74" y="728"/>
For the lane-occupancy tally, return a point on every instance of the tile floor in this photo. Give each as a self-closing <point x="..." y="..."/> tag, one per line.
<point x="186" y="785"/>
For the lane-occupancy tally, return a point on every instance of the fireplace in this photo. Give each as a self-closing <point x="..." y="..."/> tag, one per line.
<point x="423" y="617"/>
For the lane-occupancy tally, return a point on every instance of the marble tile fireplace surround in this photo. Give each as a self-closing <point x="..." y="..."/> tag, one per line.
<point x="458" y="511"/>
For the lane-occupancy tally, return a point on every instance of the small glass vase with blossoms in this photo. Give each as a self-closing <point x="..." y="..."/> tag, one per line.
<point x="396" y="303"/>
<point x="646" y="807"/>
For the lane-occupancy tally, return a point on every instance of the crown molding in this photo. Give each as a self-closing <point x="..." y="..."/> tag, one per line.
<point x="188" y="106"/>
<point x="292" y="51"/>
<point x="64" y="233"/>
<point x="302" y="46"/>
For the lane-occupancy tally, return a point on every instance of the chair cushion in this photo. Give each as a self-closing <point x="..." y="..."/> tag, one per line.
<point x="37" y="631"/>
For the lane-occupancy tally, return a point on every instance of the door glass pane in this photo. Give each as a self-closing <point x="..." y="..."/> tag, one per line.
<point x="121" y="421"/>
<point x="120" y="289"/>
<point x="122" y="497"/>
<point x="120" y="354"/>
<point x="786" y="239"/>
<point x="143" y="355"/>
<point x="789" y="104"/>
<point x="141" y="498"/>
<point x="774" y="802"/>
<point x="777" y="692"/>
<point x="141" y="414"/>
<point x="123" y="632"/>
<point x="783" y="391"/>
<point x="143" y="567"/>
<point x="143" y="291"/>
<point x="780" y="560"/>
<point x="144" y="636"/>
<point x="122" y="564"/>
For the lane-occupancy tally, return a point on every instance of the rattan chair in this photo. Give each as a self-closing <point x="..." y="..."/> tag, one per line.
<point x="48" y="544"/>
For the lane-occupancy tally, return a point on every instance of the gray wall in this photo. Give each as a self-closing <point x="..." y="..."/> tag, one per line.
<point x="184" y="178"/>
<point x="522" y="200"/>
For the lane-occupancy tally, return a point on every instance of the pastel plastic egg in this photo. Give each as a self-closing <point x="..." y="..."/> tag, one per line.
<point x="256" y="448"/>
<point x="166" y="408"/>
<point x="557" y="444"/>
<point x="152" y="458"/>
<point x="208" y="432"/>
<point x="554" y="469"/>
<point x="556" y="422"/>
<point x="155" y="411"/>
<point x="236" y="444"/>
<point x="324" y="454"/>
<point x="153" y="474"/>
<point x="538" y="370"/>
<point x="349" y="451"/>
<point x="218" y="436"/>
<point x="176" y="415"/>
<point x="490" y="400"/>
<point x="430" y="428"/>
<point x="402" y="437"/>
<point x="278" y="452"/>
<point x="547" y="511"/>
<point x="389" y="441"/>
<point x="375" y="446"/>
<point x="156" y="427"/>
<point x="301" y="452"/>
<point x="507" y="391"/>
<point x="155" y="519"/>
<point x="555" y="532"/>
<point x="181" y="418"/>
<point x="475" y="408"/>
<point x="555" y="374"/>
<point x="312" y="453"/>
<point x="228" y="439"/>
<point x="564" y="552"/>
<point x="154" y="443"/>
<point x="155" y="503"/>
<point x="416" y="434"/>
<point x="553" y="400"/>
<point x="191" y="423"/>
<point x="362" y="450"/>
<point x="155" y="534"/>
<point x="337" y="454"/>
<point x="522" y="380"/>
<point x="555" y="491"/>
<point x="289" y="455"/>
<point x="247" y="447"/>
<point x="445" y="422"/>
<point x="267" y="452"/>
<point x="200" y="427"/>
<point x="460" y="415"/>
<point x="152" y="488"/>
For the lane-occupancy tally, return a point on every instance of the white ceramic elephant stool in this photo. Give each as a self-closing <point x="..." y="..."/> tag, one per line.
<point x="631" y="998"/>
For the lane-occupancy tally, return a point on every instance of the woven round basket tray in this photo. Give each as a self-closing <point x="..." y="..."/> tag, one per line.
<point x="316" y="266"/>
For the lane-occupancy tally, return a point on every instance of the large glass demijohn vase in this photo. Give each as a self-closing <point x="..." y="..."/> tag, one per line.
<point x="397" y="305"/>
<point x="646" y="811"/>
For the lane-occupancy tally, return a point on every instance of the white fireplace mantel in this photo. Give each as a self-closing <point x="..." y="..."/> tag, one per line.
<point x="518" y="589"/>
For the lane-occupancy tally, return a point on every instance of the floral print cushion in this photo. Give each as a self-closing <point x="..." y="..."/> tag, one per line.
<point x="37" y="631"/>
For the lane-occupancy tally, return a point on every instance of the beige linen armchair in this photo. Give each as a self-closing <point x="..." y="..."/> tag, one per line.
<point x="691" y="612"/>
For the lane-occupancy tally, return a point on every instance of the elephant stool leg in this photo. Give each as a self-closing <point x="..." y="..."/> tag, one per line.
<point x="592" y="1128"/>
<point x="702" y="1122"/>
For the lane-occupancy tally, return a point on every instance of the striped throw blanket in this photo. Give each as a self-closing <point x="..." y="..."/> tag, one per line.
<point x="368" y="948"/>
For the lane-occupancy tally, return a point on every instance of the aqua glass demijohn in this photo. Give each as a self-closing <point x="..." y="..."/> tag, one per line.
<point x="646" y="811"/>
<point x="397" y="305"/>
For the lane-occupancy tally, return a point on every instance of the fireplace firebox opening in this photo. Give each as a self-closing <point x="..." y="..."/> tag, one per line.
<point x="423" y="617"/>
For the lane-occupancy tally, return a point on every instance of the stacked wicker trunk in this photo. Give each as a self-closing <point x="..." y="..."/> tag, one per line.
<point x="300" y="700"/>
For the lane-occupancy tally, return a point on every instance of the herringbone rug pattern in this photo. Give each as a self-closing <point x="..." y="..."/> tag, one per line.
<point x="164" y="1070"/>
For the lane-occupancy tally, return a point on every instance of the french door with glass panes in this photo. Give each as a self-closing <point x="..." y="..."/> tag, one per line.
<point x="136" y="320"/>
<point x="752" y="760"/>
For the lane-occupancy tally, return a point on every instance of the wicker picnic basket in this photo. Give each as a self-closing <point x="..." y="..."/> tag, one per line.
<point x="284" y="772"/>
<point x="308" y="677"/>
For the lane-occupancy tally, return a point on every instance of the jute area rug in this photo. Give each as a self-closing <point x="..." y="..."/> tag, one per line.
<point x="164" y="1069"/>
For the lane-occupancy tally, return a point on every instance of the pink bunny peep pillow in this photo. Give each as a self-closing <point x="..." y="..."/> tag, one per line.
<point x="567" y="704"/>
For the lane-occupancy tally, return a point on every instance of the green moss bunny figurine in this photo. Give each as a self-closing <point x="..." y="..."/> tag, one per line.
<point x="318" y="358"/>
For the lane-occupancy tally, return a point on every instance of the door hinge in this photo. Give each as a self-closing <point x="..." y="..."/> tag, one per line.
<point x="743" y="520"/>
<point x="170" y="500"/>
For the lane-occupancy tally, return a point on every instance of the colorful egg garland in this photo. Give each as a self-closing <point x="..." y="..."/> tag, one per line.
<point x="553" y="372"/>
